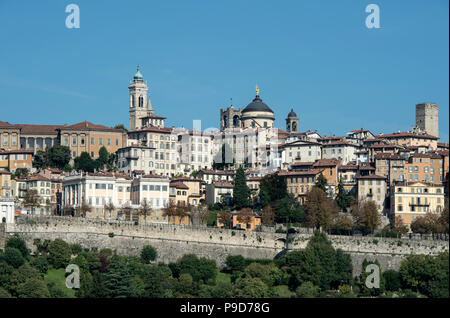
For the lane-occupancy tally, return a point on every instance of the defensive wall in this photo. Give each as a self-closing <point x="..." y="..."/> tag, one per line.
<point x="172" y="242"/>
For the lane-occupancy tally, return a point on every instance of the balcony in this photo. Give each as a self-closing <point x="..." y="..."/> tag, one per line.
<point x="131" y="157"/>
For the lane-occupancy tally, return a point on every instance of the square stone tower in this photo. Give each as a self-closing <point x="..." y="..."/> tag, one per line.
<point x="427" y="118"/>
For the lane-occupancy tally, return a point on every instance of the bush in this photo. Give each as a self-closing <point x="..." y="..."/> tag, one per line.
<point x="307" y="290"/>
<point x="148" y="254"/>
<point x="235" y="263"/>
<point x="392" y="280"/>
<point x="59" y="253"/>
<point x="13" y="257"/>
<point x="41" y="264"/>
<point x="18" y="243"/>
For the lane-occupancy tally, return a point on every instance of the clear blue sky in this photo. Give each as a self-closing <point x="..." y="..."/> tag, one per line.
<point x="315" y="56"/>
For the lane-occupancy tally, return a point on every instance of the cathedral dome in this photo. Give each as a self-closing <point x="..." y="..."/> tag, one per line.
<point x="138" y="76"/>
<point x="257" y="105"/>
<point x="292" y="114"/>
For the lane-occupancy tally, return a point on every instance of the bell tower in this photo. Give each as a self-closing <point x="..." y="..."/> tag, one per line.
<point x="292" y="122"/>
<point x="139" y="105"/>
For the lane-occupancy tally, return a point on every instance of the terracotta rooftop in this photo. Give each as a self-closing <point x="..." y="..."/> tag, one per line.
<point x="372" y="176"/>
<point x="408" y="134"/>
<point x="326" y="162"/>
<point x="178" y="185"/>
<point x="300" y="172"/>
<point x="388" y="155"/>
<point x="222" y="184"/>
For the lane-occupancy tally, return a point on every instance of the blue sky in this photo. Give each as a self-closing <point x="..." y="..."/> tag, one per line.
<point x="314" y="56"/>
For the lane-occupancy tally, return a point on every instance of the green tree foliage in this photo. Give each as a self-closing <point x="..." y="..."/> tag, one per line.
<point x="241" y="192"/>
<point x="20" y="276"/>
<point x="84" y="162"/>
<point x="18" y="242"/>
<point x="157" y="279"/>
<point x="4" y="293"/>
<point x="343" y="198"/>
<point x="59" y="253"/>
<point x="200" y="269"/>
<point x="426" y="274"/>
<point x="249" y="287"/>
<point x="103" y="157"/>
<point x="235" y="263"/>
<point x="288" y="209"/>
<point x="57" y="156"/>
<point x="117" y="280"/>
<point x="40" y="263"/>
<point x="318" y="264"/>
<point x="392" y="280"/>
<point x="307" y="290"/>
<point x="33" y="288"/>
<point x="272" y="188"/>
<point x="148" y="254"/>
<point x="321" y="183"/>
<point x="13" y="257"/>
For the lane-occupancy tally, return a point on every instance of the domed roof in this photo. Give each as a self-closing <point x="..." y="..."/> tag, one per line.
<point x="292" y="114"/>
<point x="257" y="105"/>
<point x="138" y="76"/>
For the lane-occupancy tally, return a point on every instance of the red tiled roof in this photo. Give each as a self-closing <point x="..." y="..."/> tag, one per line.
<point x="178" y="185"/>
<point x="39" y="129"/>
<point x="222" y="184"/>
<point x="372" y="176"/>
<point x="164" y="130"/>
<point x="300" y="172"/>
<point x="86" y="125"/>
<point x="408" y="134"/>
<point x="326" y="162"/>
<point x="388" y="155"/>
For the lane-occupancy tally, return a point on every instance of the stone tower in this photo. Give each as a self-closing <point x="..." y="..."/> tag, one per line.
<point x="292" y="122"/>
<point x="427" y="118"/>
<point x="139" y="105"/>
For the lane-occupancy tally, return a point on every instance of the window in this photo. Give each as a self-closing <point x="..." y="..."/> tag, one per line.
<point x="92" y="141"/>
<point x="74" y="140"/>
<point x="100" y="141"/>
<point x="109" y="142"/>
<point x="117" y="142"/>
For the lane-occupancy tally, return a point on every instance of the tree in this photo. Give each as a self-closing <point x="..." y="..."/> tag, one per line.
<point x="319" y="209"/>
<point x="249" y="287"/>
<point x="145" y="209"/>
<point x="20" y="173"/>
<point x="121" y="126"/>
<point x="13" y="257"/>
<point x="59" y="253"/>
<point x="58" y="156"/>
<point x="268" y="216"/>
<point x="272" y="188"/>
<point x="392" y="280"/>
<point x="148" y="254"/>
<point x="307" y="290"/>
<point x="343" y="224"/>
<point x="225" y="218"/>
<point x="170" y="211"/>
<point x="288" y="209"/>
<point x="245" y="216"/>
<point x="444" y="218"/>
<point x="84" y="162"/>
<point x="17" y="242"/>
<point x="343" y="198"/>
<point x="83" y="209"/>
<point x="31" y="199"/>
<point x="109" y="207"/>
<point x="419" y="226"/>
<point x="399" y="227"/>
<point x="366" y="216"/>
<point x="103" y="157"/>
<point x="235" y="263"/>
<point x="241" y="192"/>
<point x="126" y="210"/>
<point x="117" y="280"/>
<point x="321" y="183"/>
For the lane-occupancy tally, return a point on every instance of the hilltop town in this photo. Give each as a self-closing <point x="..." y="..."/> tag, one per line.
<point x="246" y="175"/>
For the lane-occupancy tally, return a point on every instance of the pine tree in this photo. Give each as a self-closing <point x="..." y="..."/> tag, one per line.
<point x="241" y="192"/>
<point x="343" y="198"/>
<point x="321" y="183"/>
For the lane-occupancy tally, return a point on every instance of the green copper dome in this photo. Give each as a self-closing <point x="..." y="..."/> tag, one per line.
<point x="138" y="76"/>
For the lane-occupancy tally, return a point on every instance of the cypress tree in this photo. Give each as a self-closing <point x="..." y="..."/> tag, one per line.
<point x="241" y="192"/>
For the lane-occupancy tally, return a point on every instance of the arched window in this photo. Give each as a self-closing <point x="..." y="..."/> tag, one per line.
<point x="294" y="126"/>
<point x="141" y="101"/>
<point x="133" y="102"/>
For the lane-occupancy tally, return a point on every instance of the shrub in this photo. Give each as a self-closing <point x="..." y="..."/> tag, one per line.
<point x="13" y="257"/>
<point x="148" y="254"/>
<point x="59" y="253"/>
<point x="18" y="243"/>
